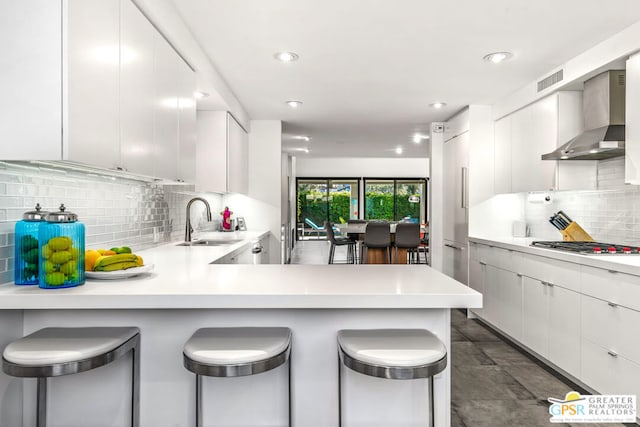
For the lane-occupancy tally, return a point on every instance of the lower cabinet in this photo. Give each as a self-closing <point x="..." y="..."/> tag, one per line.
<point x="455" y="262"/>
<point x="477" y="273"/>
<point x="608" y="372"/>
<point x="564" y="329"/>
<point x="503" y="302"/>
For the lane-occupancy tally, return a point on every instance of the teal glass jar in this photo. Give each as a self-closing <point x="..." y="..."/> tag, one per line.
<point x="61" y="245"/>
<point x="26" y="258"/>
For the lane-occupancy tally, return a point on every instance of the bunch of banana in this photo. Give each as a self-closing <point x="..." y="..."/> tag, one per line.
<point x="117" y="262"/>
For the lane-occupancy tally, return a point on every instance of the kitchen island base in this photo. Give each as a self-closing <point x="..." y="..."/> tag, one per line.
<point x="167" y="388"/>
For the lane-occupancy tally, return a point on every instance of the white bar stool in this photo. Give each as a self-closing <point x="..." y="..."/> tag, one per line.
<point x="397" y="354"/>
<point x="53" y="352"/>
<point x="235" y="352"/>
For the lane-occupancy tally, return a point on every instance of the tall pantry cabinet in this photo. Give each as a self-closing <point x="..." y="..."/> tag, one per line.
<point x="467" y="164"/>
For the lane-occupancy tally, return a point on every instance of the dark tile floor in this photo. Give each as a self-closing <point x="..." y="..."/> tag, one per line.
<point x="493" y="384"/>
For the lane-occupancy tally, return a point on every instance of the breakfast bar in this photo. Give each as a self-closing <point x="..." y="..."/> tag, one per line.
<point x="185" y="292"/>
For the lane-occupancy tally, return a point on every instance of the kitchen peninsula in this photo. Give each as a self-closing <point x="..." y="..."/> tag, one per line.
<point x="185" y="292"/>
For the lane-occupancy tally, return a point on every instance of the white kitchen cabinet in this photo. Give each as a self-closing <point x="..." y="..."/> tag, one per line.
<point x="165" y="110"/>
<point x="564" y="329"/>
<point x="632" y="122"/>
<point x="30" y="105"/>
<point x="534" y="133"/>
<point x="137" y="44"/>
<point x="186" y="123"/>
<point x="535" y="316"/>
<point x="477" y="273"/>
<point x="221" y="154"/>
<point x="522" y="137"/>
<point x="91" y="121"/>
<point x="607" y="372"/>
<point x="109" y="83"/>
<point x="237" y="157"/>
<point x="456" y="261"/>
<point x="455" y="196"/>
<point x="510" y="303"/>
<point x="502" y="156"/>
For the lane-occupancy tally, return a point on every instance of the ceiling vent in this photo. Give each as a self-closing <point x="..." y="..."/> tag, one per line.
<point x="550" y="81"/>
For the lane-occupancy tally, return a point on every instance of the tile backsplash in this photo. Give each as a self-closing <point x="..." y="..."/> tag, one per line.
<point x="610" y="214"/>
<point x="116" y="211"/>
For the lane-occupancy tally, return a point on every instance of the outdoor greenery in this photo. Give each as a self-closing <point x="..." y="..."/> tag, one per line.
<point x="313" y="205"/>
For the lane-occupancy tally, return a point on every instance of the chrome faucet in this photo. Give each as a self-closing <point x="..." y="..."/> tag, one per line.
<point x="188" y="229"/>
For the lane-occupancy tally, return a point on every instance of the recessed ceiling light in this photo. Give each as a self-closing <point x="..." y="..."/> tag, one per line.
<point x="418" y="137"/>
<point x="302" y="137"/>
<point x="399" y="150"/>
<point x="286" y="56"/>
<point x="498" y="57"/>
<point x="200" y="94"/>
<point x="294" y="104"/>
<point x="438" y="105"/>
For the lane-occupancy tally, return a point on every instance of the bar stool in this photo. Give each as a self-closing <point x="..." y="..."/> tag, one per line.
<point x="54" y="352"/>
<point x="397" y="354"/>
<point x="377" y="235"/>
<point x="408" y="237"/>
<point x="340" y="241"/>
<point x="235" y="352"/>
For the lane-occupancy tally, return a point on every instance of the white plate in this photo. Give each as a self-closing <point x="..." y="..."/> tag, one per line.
<point x="118" y="274"/>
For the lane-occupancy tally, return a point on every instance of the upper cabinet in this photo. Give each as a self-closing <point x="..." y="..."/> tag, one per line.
<point x="124" y="97"/>
<point x="30" y="105"/>
<point x="521" y="138"/>
<point x="632" y="125"/>
<point x="221" y="154"/>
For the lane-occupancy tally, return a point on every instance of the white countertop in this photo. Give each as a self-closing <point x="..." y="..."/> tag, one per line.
<point x="629" y="264"/>
<point x="184" y="278"/>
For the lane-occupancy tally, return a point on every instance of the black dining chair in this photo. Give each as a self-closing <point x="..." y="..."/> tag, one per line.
<point x="377" y="235"/>
<point x="408" y="237"/>
<point x="340" y="241"/>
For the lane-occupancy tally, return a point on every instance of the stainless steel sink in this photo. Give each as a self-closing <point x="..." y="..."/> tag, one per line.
<point x="206" y="242"/>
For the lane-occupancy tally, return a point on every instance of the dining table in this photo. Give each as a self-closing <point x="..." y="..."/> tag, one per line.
<point x="377" y="255"/>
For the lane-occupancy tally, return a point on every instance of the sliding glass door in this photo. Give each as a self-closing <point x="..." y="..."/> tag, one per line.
<point x="324" y="199"/>
<point x="395" y="199"/>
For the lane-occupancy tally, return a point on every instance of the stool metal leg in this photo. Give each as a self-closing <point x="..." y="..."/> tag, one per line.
<point x="41" y="417"/>
<point x="135" y="385"/>
<point x="290" y="407"/>
<point x="198" y="401"/>
<point x="339" y="392"/>
<point x="432" y="418"/>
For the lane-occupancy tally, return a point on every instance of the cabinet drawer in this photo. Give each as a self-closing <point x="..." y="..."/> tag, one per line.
<point x="611" y="326"/>
<point x="505" y="259"/>
<point x="612" y="286"/>
<point x="561" y="273"/>
<point x="608" y="374"/>
<point x="478" y="251"/>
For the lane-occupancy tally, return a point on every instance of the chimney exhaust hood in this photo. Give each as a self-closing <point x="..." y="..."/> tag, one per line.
<point x="604" y="115"/>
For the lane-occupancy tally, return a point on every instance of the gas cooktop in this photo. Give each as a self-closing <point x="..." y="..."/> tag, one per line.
<point x="589" y="248"/>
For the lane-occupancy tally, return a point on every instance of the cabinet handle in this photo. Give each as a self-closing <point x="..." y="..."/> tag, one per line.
<point x="551" y="285"/>
<point x="464" y="178"/>
<point x="483" y="263"/>
<point x="545" y="283"/>
<point x="612" y="353"/>
<point x="612" y="271"/>
<point x="518" y="274"/>
<point x="612" y="304"/>
<point x="452" y="246"/>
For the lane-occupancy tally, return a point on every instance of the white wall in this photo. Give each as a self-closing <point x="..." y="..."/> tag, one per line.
<point x="261" y="208"/>
<point x="436" y="203"/>
<point x="356" y="167"/>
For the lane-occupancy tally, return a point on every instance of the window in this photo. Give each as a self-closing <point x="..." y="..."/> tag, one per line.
<point x="396" y="199"/>
<point x="325" y="199"/>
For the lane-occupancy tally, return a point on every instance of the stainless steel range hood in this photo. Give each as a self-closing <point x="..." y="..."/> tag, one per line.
<point x="604" y="115"/>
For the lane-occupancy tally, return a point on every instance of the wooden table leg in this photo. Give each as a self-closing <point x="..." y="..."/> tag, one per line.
<point x="401" y="257"/>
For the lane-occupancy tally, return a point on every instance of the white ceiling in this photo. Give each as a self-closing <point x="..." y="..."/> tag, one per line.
<point x="369" y="68"/>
